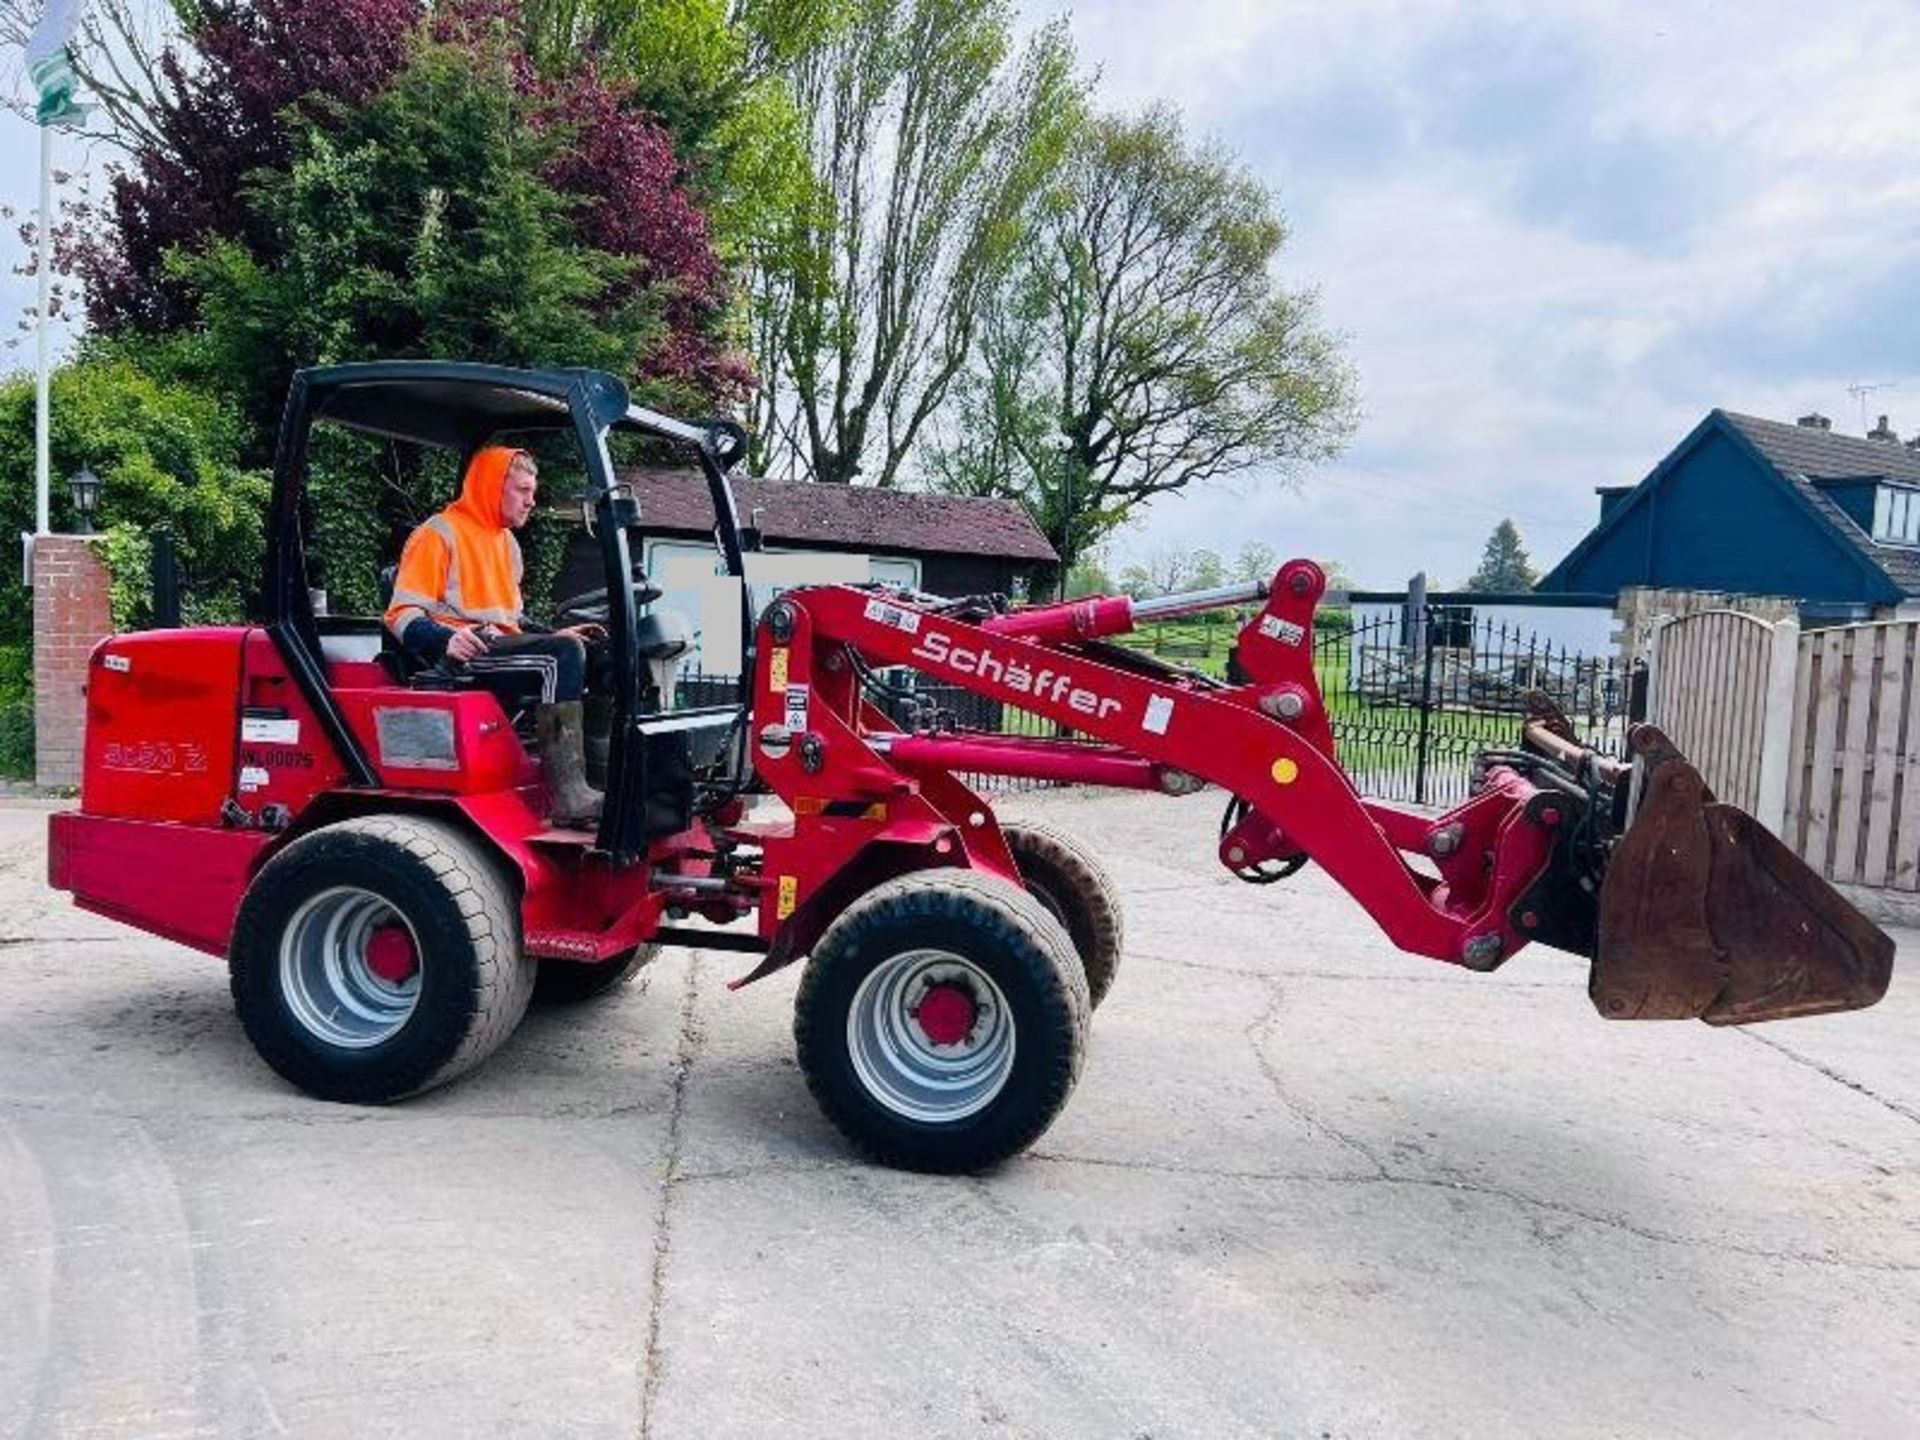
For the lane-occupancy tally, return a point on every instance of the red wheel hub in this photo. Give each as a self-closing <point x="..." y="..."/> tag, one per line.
<point x="390" y="954"/>
<point x="946" y="1014"/>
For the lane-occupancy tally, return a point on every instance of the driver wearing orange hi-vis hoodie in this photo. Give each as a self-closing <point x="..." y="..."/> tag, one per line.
<point x="456" y="598"/>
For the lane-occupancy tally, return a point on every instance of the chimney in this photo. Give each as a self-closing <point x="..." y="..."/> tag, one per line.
<point x="1883" y="431"/>
<point x="1814" y="420"/>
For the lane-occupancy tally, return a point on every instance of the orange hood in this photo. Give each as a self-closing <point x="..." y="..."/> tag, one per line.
<point x="485" y="484"/>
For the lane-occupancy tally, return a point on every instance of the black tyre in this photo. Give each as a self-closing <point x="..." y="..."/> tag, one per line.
<point x="379" y="957"/>
<point x="568" y="982"/>
<point x="942" y="1020"/>
<point x="1063" y="875"/>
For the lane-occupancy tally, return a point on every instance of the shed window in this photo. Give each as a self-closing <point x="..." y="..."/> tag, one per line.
<point x="1896" y="515"/>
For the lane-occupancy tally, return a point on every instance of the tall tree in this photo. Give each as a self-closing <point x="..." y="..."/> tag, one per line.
<point x="928" y="141"/>
<point x="1090" y="575"/>
<point x="712" y="72"/>
<point x="1206" y="570"/>
<point x="1504" y="567"/>
<point x="1255" y="561"/>
<point x="1141" y="343"/>
<point x="386" y="177"/>
<point x="205" y="111"/>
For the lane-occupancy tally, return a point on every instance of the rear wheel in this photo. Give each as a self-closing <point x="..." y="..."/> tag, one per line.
<point x="377" y="958"/>
<point x="568" y="982"/>
<point x="1063" y="875"/>
<point x="942" y="1020"/>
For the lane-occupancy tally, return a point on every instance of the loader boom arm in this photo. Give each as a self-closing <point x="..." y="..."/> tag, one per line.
<point x="1694" y="912"/>
<point x="1267" y="740"/>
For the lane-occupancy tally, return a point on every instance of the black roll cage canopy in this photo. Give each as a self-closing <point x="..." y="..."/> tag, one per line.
<point x="457" y="406"/>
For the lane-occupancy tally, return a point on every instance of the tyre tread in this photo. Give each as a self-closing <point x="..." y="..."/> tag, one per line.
<point x="1092" y="898"/>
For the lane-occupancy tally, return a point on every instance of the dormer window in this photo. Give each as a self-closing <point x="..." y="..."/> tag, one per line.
<point x="1896" y="515"/>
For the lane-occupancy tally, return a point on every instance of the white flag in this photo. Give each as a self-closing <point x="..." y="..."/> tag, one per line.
<point x="50" y="65"/>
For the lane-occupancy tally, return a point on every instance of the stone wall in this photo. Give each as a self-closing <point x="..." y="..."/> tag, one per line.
<point x="1638" y="607"/>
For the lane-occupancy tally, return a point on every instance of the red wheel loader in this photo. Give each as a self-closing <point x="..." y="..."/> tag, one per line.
<point x="368" y="843"/>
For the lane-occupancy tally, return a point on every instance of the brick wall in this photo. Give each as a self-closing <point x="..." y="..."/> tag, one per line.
<point x="72" y="612"/>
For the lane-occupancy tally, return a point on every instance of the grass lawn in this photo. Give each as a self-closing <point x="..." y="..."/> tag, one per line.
<point x="1378" y="739"/>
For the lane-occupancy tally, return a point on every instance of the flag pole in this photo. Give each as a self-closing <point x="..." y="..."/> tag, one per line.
<point x="42" y="433"/>
<point x="50" y="67"/>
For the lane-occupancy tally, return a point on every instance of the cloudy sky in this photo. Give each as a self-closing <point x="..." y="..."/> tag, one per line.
<point x="1555" y="234"/>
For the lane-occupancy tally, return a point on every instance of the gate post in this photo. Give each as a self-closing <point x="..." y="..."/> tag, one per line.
<point x="1656" y="634"/>
<point x="1776" y="733"/>
<point x="165" y="571"/>
<point x="1426" y="705"/>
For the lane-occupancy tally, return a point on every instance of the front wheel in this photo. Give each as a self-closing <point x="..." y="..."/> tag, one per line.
<point x="942" y="1020"/>
<point x="377" y="958"/>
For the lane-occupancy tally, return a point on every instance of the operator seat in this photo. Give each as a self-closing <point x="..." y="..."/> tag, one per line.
<point x="410" y="670"/>
<point x="401" y="663"/>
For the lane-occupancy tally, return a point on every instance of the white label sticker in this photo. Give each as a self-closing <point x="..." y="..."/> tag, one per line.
<point x="117" y="662"/>
<point x="797" y="708"/>
<point x="252" y="777"/>
<point x="1159" y="715"/>
<point x="899" y="619"/>
<point x="257" y="731"/>
<point x="1285" y="631"/>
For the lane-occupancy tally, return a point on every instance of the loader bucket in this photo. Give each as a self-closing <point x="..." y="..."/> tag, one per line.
<point x="1703" y="912"/>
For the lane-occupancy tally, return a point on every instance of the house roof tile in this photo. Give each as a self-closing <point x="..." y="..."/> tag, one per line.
<point x="848" y="516"/>
<point x="1805" y="456"/>
<point x="1823" y="455"/>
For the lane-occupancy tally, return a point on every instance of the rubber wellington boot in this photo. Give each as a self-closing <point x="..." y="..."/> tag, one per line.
<point x="562" y="736"/>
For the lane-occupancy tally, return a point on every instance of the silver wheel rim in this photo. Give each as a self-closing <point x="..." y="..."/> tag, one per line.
<point x="331" y="990"/>
<point x="901" y="1065"/>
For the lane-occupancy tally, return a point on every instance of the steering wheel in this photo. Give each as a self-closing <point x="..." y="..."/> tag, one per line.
<point x="590" y="606"/>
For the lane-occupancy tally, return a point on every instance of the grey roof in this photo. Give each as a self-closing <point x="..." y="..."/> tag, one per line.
<point x="861" y="517"/>
<point x="1823" y="455"/>
<point x="1805" y="456"/>
<point x="1901" y="563"/>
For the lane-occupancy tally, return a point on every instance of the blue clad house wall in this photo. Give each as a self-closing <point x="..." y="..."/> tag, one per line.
<point x="1719" y="514"/>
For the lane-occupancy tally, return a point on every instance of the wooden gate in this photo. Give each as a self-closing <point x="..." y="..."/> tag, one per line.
<point x="1721" y="687"/>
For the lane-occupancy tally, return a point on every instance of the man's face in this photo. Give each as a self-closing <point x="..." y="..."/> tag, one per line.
<point x="516" y="501"/>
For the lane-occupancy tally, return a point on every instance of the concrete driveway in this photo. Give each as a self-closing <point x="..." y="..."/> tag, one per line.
<point x="1307" y="1186"/>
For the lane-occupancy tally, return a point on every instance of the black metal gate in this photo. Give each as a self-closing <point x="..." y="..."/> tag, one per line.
<point x="1415" y="694"/>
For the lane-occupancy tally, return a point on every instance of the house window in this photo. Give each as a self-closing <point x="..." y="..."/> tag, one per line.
<point x="1896" y="515"/>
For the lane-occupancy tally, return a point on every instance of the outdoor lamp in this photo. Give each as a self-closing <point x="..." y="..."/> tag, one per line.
<point x="85" y="486"/>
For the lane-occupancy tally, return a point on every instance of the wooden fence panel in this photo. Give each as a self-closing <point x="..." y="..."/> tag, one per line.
<point x="1892" y="667"/>
<point x="1853" y="807"/>
<point x="1826" y="653"/>
<point x="1710" y="695"/>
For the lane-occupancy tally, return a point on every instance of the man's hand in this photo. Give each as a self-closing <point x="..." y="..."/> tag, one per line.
<point x="463" y="645"/>
<point x="586" y="634"/>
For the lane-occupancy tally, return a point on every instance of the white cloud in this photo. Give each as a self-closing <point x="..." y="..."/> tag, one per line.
<point x="1556" y="237"/>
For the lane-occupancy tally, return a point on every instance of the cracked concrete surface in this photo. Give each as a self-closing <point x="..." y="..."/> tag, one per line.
<point x="1307" y="1186"/>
